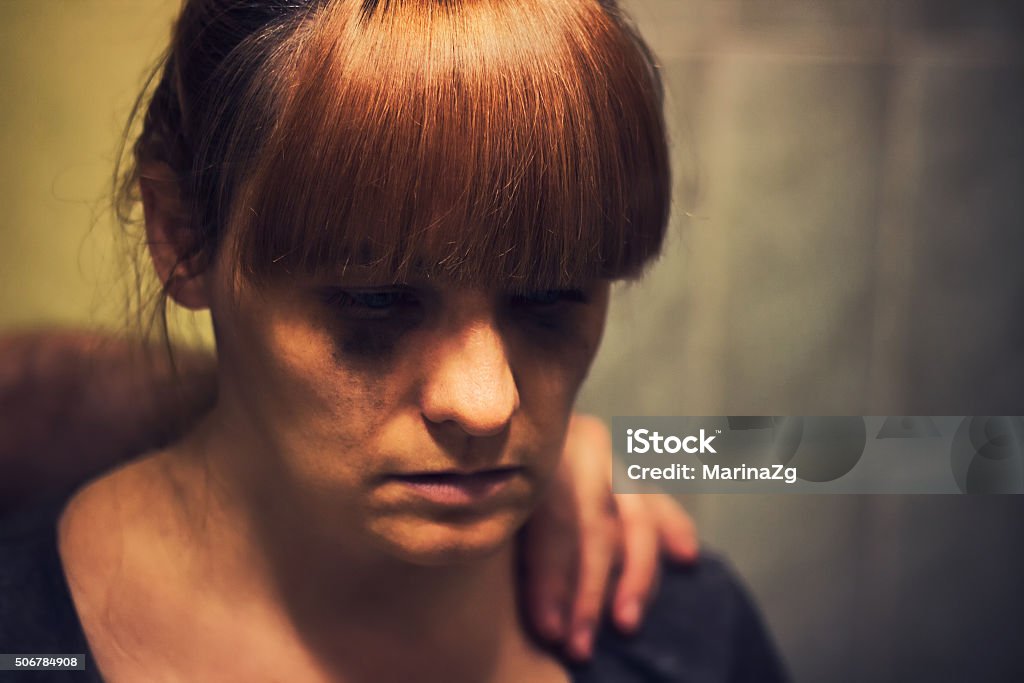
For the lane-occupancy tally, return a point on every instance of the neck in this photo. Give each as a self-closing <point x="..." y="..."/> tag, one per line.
<point x="362" y="613"/>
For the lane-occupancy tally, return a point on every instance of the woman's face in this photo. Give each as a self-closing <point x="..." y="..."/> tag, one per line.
<point x="423" y="419"/>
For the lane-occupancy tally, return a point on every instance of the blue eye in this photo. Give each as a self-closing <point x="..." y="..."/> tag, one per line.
<point x="370" y="303"/>
<point x="549" y="297"/>
<point x="376" y="300"/>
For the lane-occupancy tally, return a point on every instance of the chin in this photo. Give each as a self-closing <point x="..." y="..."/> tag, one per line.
<point x="438" y="543"/>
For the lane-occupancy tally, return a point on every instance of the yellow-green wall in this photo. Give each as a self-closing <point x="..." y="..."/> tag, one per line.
<point x="69" y="72"/>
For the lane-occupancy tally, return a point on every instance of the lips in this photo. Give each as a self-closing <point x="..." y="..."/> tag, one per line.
<point x="458" y="488"/>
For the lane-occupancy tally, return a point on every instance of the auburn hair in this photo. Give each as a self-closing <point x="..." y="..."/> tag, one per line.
<point x="512" y="142"/>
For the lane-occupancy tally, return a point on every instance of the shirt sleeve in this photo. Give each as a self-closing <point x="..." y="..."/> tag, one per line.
<point x="702" y="627"/>
<point x="37" y="615"/>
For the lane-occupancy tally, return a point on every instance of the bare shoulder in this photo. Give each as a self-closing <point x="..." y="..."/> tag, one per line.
<point x="99" y="515"/>
<point x="105" y="534"/>
<point x="106" y="545"/>
<point x="145" y="615"/>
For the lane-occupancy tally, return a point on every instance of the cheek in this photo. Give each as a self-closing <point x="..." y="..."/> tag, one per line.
<point x="558" y="355"/>
<point x="549" y="369"/>
<point x="369" y="349"/>
<point x="367" y="346"/>
<point x="337" y="387"/>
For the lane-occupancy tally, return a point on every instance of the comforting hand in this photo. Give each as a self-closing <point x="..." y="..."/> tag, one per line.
<point x="583" y="533"/>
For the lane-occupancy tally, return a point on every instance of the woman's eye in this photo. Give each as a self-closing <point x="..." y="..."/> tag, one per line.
<point x="546" y="298"/>
<point x="370" y="303"/>
<point x="375" y="300"/>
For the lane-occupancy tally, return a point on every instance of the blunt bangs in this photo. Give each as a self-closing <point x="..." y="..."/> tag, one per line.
<point x="486" y="141"/>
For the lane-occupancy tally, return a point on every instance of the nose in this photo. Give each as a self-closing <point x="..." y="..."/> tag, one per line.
<point x="469" y="381"/>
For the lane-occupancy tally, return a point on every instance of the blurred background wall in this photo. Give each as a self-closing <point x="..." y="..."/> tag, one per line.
<point x="847" y="238"/>
<point x="69" y="73"/>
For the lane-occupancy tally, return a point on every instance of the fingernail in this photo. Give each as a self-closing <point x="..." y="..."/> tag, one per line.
<point x="629" y="615"/>
<point x="551" y="624"/>
<point x="581" y="642"/>
<point x="686" y="555"/>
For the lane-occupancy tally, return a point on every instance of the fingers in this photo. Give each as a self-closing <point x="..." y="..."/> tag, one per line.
<point x="639" y="561"/>
<point x="676" y="531"/>
<point x="598" y="544"/>
<point x="578" y="534"/>
<point x="549" y="566"/>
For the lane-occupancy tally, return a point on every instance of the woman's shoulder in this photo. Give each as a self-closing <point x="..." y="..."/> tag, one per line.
<point x="60" y="561"/>
<point x="702" y="626"/>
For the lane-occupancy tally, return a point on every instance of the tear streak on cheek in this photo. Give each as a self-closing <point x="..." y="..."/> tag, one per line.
<point x="364" y="348"/>
<point x="362" y="362"/>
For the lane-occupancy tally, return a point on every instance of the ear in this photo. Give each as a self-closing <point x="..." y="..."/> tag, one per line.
<point x="168" y="236"/>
